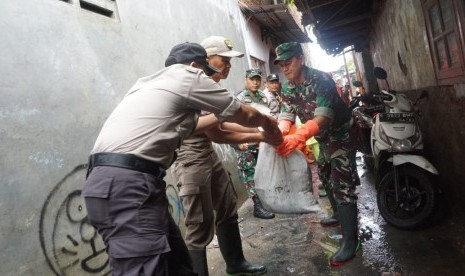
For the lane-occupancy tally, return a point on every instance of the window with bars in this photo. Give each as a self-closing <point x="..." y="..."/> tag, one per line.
<point x="102" y="7"/>
<point x="106" y="8"/>
<point x="444" y="20"/>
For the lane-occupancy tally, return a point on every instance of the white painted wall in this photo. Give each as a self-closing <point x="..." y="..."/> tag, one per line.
<point x="63" y="71"/>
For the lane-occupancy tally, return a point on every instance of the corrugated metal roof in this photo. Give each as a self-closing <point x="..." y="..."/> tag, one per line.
<point x="277" y="22"/>
<point x="339" y="23"/>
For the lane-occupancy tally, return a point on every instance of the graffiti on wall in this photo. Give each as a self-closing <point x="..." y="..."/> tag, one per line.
<point x="71" y="246"/>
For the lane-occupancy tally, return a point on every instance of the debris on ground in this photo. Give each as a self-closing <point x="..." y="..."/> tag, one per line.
<point x="325" y="246"/>
<point x="335" y="237"/>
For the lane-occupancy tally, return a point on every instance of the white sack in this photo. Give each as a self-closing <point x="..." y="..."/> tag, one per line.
<point x="284" y="184"/>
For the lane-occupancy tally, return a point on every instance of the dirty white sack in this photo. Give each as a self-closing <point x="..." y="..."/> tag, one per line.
<point x="284" y="184"/>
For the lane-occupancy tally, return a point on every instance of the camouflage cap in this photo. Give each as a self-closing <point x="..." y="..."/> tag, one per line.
<point x="287" y="50"/>
<point x="253" y="73"/>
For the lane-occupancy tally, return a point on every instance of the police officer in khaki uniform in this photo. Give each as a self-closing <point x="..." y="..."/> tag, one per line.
<point x="124" y="192"/>
<point x="247" y="153"/>
<point x="212" y="190"/>
<point x="273" y="93"/>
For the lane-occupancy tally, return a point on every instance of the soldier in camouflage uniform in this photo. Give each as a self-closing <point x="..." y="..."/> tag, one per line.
<point x="311" y="94"/>
<point x="247" y="153"/>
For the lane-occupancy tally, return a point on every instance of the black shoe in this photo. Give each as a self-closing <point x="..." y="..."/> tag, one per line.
<point x="259" y="211"/>
<point x="349" y="245"/>
<point x="229" y="240"/>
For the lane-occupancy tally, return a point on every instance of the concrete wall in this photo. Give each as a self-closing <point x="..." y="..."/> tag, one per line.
<point x="399" y="44"/>
<point x="63" y="71"/>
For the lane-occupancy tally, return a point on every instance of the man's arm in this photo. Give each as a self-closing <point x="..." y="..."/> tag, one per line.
<point x="222" y="136"/>
<point x="237" y="128"/>
<point x="321" y="121"/>
<point x="250" y="117"/>
<point x="205" y="122"/>
<point x="305" y="132"/>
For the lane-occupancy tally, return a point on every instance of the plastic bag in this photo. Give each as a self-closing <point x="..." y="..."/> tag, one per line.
<point x="284" y="184"/>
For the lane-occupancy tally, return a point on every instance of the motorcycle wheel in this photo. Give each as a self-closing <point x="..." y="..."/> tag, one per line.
<point x="417" y="198"/>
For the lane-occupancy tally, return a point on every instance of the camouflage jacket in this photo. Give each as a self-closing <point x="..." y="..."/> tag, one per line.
<point x="246" y="97"/>
<point x="316" y="96"/>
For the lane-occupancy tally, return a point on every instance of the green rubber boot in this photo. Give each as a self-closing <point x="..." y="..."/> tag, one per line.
<point x="349" y="223"/>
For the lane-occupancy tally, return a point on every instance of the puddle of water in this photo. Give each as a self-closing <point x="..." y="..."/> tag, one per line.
<point x="376" y="252"/>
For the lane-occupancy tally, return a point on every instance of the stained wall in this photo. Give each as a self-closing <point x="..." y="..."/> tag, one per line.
<point x="63" y="70"/>
<point x="399" y="44"/>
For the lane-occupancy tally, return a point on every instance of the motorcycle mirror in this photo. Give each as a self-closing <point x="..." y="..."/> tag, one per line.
<point x="423" y="95"/>
<point x="380" y="73"/>
<point x="357" y="83"/>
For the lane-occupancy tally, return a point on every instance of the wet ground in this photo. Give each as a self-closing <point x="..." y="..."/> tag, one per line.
<point x="298" y="245"/>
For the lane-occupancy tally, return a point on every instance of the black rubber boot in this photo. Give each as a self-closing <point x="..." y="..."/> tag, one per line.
<point x="229" y="240"/>
<point x="349" y="222"/>
<point x="199" y="261"/>
<point x="334" y="219"/>
<point x="259" y="211"/>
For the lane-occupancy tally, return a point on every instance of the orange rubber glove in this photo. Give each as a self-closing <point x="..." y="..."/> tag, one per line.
<point x="284" y="126"/>
<point x="291" y="141"/>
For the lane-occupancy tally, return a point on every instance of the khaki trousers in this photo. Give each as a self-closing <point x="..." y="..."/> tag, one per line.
<point x="205" y="186"/>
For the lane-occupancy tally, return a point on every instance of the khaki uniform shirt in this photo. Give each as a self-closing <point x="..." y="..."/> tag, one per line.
<point x="274" y="103"/>
<point x="160" y="110"/>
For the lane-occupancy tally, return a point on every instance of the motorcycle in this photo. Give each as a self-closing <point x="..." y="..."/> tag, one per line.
<point x="364" y="109"/>
<point x="406" y="196"/>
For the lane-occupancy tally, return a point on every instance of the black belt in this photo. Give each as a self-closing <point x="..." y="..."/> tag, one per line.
<point x="127" y="161"/>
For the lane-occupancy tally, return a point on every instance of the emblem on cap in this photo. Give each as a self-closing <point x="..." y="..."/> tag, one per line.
<point x="228" y="43"/>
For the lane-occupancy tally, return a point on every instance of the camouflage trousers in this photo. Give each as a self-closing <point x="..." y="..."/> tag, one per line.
<point x="246" y="162"/>
<point x="336" y="164"/>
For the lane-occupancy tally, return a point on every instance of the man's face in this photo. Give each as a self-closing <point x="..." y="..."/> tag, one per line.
<point x="220" y="63"/>
<point x="292" y="68"/>
<point x="253" y="84"/>
<point x="273" y="86"/>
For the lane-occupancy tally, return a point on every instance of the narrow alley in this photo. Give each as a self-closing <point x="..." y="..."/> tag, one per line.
<point x="298" y="245"/>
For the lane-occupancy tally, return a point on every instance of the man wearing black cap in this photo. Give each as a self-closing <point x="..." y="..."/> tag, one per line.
<point x="124" y="192"/>
<point x="273" y="93"/>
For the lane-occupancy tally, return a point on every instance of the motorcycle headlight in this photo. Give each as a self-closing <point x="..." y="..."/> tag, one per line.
<point x="401" y="145"/>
